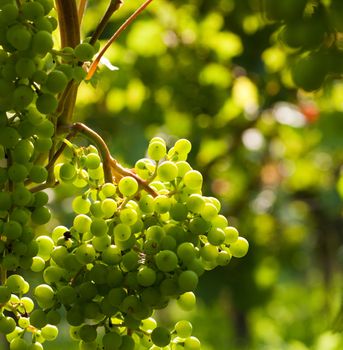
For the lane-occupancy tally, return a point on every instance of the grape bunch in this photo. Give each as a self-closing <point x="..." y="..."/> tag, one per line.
<point x="140" y="237"/>
<point x="134" y="245"/>
<point x="311" y="30"/>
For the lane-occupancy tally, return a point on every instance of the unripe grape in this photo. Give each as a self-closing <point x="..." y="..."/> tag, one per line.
<point x="49" y="332"/>
<point x="166" y="260"/>
<point x="157" y="150"/>
<point x="84" y="52"/>
<point x="32" y="10"/>
<point x="111" y="340"/>
<point x="85" y="253"/>
<point x="19" y="37"/>
<point x="193" y="179"/>
<point x="42" y="43"/>
<point x="183" y="329"/>
<point x="160" y="336"/>
<point x="187" y="301"/>
<point x="167" y="171"/>
<point x="128" y="186"/>
<point x="56" y="81"/>
<point x="46" y="103"/>
<point x="239" y="248"/>
<point x="87" y="333"/>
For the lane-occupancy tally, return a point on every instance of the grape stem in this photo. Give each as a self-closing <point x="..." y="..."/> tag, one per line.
<point x="113" y="6"/>
<point x="112" y="169"/>
<point x="95" y="63"/>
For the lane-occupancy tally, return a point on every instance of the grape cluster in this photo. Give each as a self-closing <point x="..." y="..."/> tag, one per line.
<point x="134" y="245"/>
<point x="310" y="29"/>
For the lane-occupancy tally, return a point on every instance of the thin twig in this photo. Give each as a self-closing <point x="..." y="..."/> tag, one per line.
<point x="95" y="63"/>
<point x="113" y="6"/>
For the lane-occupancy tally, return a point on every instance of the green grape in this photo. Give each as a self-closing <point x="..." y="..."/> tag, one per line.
<point x="38" y="318"/>
<point x="49" y="332"/>
<point x="23" y="151"/>
<point x="35" y="346"/>
<point x="56" y="81"/>
<point x="41" y="215"/>
<point x="87" y="333"/>
<point x="239" y="248"/>
<point x="9" y="13"/>
<point x="25" y="67"/>
<point x="195" y="203"/>
<point x="101" y="243"/>
<point x="22" y="96"/>
<point x="5" y="294"/>
<point x="111" y="341"/>
<point x="43" y="24"/>
<point x="178" y="211"/>
<point x="67" y="172"/>
<point x="193" y="179"/>
<point x="111" y="255"/>
<point x="18" y="344"/>
<point x="209" y="252"/>
<point x="82" y="223"/>
<point x="146" y="276"/>
<point x="183" y="329"/>
<point x="17" y="172"/>
<point x="146" y="203"/>
<point x="43" y="144"/>
<point x="192" y="343"/>
<point x="12" y="229"/>
<point x="122" y="232"/>
<point x="128" y="216"/>
<point x="42" y="43"/>
<point x="108" y="207"/>
<point x="84" y="52"/>
<point x="157" y="150"/>
<point x="45" y="246"/>
<point x="188" y="280"/>
<point x="92" y="161"/>
<point x="53" y="274"/>
<point x="81" y="205"/>
<point x="166" y="260"/>
<point x="154" y="233"/>
<point x="46" y="103"/>
<point x="183" y="146"/>
<point x="48" y="5"/>
<point x="44" y="295"/>
<point x="183" y="167"/>
<point x="74" y="315"/>
<point x="45" y="129"/>
<point x="223" y="258"/>
<point x="186" y="252"/>
<point x="19" y="37"/>
<point x="16" y="284"/>
<point x="66" y="295"/>
<point x="98" y="227"/>
<point x="162" y="204"/>
<point x="85" y="253"/>
<point x="167" y="171"/>
<point x="9" y="137"/>
<point x="128" y="186"/>
<point x="38" y="174"/>
<point x="130" y="261"/>
<point x="160" y="336"/>
<point x="231" y="234"/>
<point x="38" y="264"/>
<point x="216" y="236"/>
<point x="24" y="322"/>
<point x="108" y="190"/>
<point x="209" y="212"/>
<point x="187" y="301"/>
<point x="32" y="10"/>
<point x="10" y="262"/>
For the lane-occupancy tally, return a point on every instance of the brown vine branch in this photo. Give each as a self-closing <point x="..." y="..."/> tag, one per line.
<point x="113" y="6"/>
<point x="81" y="9"/>
<point x="95" y="63"/>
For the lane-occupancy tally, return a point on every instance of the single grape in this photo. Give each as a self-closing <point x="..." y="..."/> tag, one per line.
<point x="157" y="150"/>
<point x="128" y="186"/>
<point x="239" y="248"/>
<point x="160" y="336"/>
<point x="166" y="260"/>
<point x="183" y="329"/>
<point x="49" y="332"/>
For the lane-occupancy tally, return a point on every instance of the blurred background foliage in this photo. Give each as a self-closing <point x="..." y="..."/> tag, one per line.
<point x="216" y="73"/>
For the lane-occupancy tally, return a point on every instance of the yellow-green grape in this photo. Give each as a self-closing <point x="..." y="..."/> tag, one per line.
<point x="167" y="171"/>
<point x="128" y="186"/>
<point x="192" y="343"/>
<point x="183" y="329"/>
<point x="193" y="179"/>
<point x="187" y="301"/>
<point x="49" y="332"/>
<point x="239" y="248"/>
<point x="160" y="336"/>
<point x="157" y="150"/>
